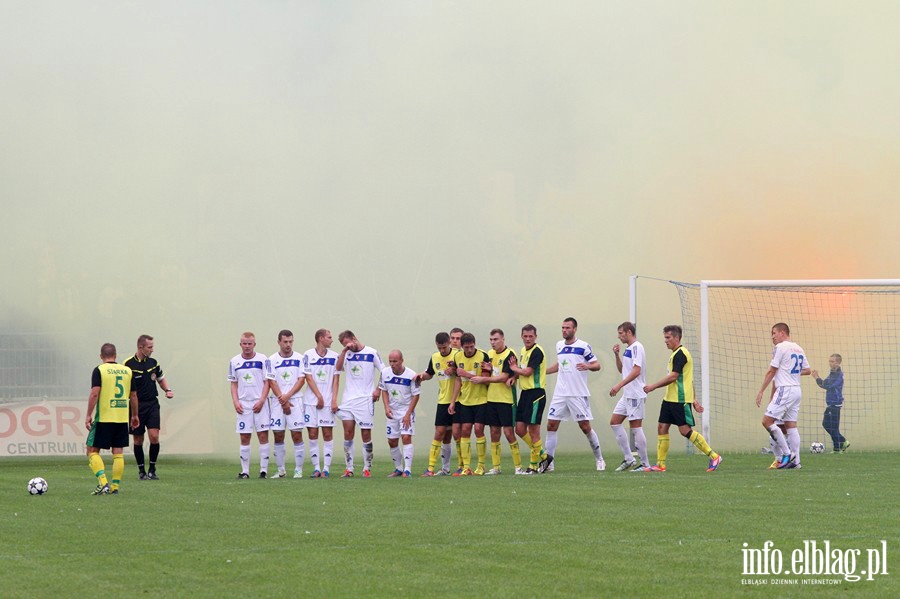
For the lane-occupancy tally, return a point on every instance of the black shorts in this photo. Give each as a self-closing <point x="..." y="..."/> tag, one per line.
<point x="499" y="414"/>
<point x="679" y="414"/>
<point x="469" y="414"/>
<point x="106" y="435"/>
<point x="148" y="413"/>
<point x="442" y="417"/>
<point x="531" y="406"/>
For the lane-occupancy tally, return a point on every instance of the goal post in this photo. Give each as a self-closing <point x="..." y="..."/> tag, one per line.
<point x="727" y="327"/>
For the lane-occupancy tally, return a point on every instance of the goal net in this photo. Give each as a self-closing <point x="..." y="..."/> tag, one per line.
<point x="727" y="327"/>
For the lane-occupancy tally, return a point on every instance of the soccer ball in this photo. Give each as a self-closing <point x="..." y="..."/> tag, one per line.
<point x="816" y="447"/>
<point x="37" y="486"/>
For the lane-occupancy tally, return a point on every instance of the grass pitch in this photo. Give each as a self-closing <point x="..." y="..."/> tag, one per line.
<point x="573" y="533"/>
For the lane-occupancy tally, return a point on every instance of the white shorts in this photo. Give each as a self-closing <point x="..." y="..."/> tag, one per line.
<point x="313" y="417"/>
<point x="395" y="426"/>
<point x="578" y="408"/>
<point x="362" y="410"/>
<point x="631" y="407"/>
<point x="280" y="421"/>
<point x="785" y="404"/>
<point x="250" y="421"/>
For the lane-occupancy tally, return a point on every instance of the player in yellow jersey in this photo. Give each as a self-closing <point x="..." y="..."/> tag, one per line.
<point x="107" y="419"/>
<point x="442" y="366"/>
<point x="532" y="376"/>
<point x="453" y="435"/>
<point x="500" y="411"/>
<point x="676" y="405"/>
<point x="467" y="404"/>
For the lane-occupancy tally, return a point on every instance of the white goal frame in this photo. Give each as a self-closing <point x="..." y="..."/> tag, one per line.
<point x="704" y="318"/>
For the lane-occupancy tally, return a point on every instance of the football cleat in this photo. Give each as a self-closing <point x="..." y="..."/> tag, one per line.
<point x="442" y="472"/>
<point x="845" y="446"/>
<point x="713" y="464"/>
<point x="325" y="474"/>
<point x="347" y="474"/>
<point x="142" y="476"/>
<point x="101" y="490"/>
<point x="407" y="474"/>
<point x="520" y="470"/>
<point x="298" y="473"/>
<point x="279" y="474"/>
<point x="642" y="468"/>
<point x="530" y="471"/>
<point x="656" y="468"/>
<point x="626" y="466"/>
<point x="262" y="474"/>
<point x="493" y="472"/>
<point x="785" y="461"/>
<point x="114" y="491"/>
<point x="367" y="473"/>
<point x="395" y="473"/>
<point x="243" y="475"/>
<point x="545" y="464"/>
<point x="428" y="473"/>
<point x="467" y="472"/>
<point x="479" y="470"/>
<point x="152" y="475"/>
<point x="601" y="465"/>
<point x="316" y="474"/>
<point x="774" y="464"/>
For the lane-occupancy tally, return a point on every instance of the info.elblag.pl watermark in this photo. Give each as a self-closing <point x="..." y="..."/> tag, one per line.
<point x="813" y="562"/>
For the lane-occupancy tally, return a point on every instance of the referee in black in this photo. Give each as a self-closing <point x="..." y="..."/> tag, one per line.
<point x="146" y="374"/>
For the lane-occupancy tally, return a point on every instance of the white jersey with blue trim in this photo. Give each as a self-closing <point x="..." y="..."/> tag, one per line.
<point x="321" y="369"/>
<point x="250" y="375"/>
<point x="571" y="382"/>
<point x="400" y="387"/>
<point x="634" y="356"/>
<point x="790" y="359"/>
<point x="360" y="368"/>
<point x="287" y="371"/>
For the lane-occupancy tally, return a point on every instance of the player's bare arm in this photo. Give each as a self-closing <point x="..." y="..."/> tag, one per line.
<point x="92" y="405"/>
<point x="635" y="372"/>
<point x="388" y="412"/>
<point x="135" y="420"/>
<point x="770" y="374"/>
<point x="234" y="398"/>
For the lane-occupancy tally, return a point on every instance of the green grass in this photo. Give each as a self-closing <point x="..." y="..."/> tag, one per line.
<point x="574" y="532"/>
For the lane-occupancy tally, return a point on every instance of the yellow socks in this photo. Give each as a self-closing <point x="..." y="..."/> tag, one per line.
<point x="96" y="464"/>
<point x="434" y="454"/>
<point x="465" y="451"/>
<point x="517" y="456"/>
<point x="459" y="454"/>
<point x="118" y="470"/>
<point x="662" y="449"/>
<point x="527" y="439"/>
<point x="495" y="454"/>
<point x="481" y="448"/>
<point x="536" y="450"/>
<point x="701" y="444"/>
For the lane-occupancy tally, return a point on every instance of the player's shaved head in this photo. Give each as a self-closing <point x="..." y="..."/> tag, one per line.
<point x="142" y="340"/>
<point x="395" y="354"/>
<point x="107" y="351"/>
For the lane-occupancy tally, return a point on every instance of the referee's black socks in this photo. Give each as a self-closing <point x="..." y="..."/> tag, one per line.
<point x="139" y="456"/>
<point x="154" y="453"/>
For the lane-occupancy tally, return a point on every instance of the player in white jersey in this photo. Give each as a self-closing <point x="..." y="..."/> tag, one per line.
<point x="360" y="363"/>
<point x="400" y="394"/>
<point x="631" y="366"/>
<point x="574" y="358"/>
<point x="286" y="402"/>
<point x="250" y="374"/>
<point x="788" y="364"/>
<point x="322" y="377"/>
